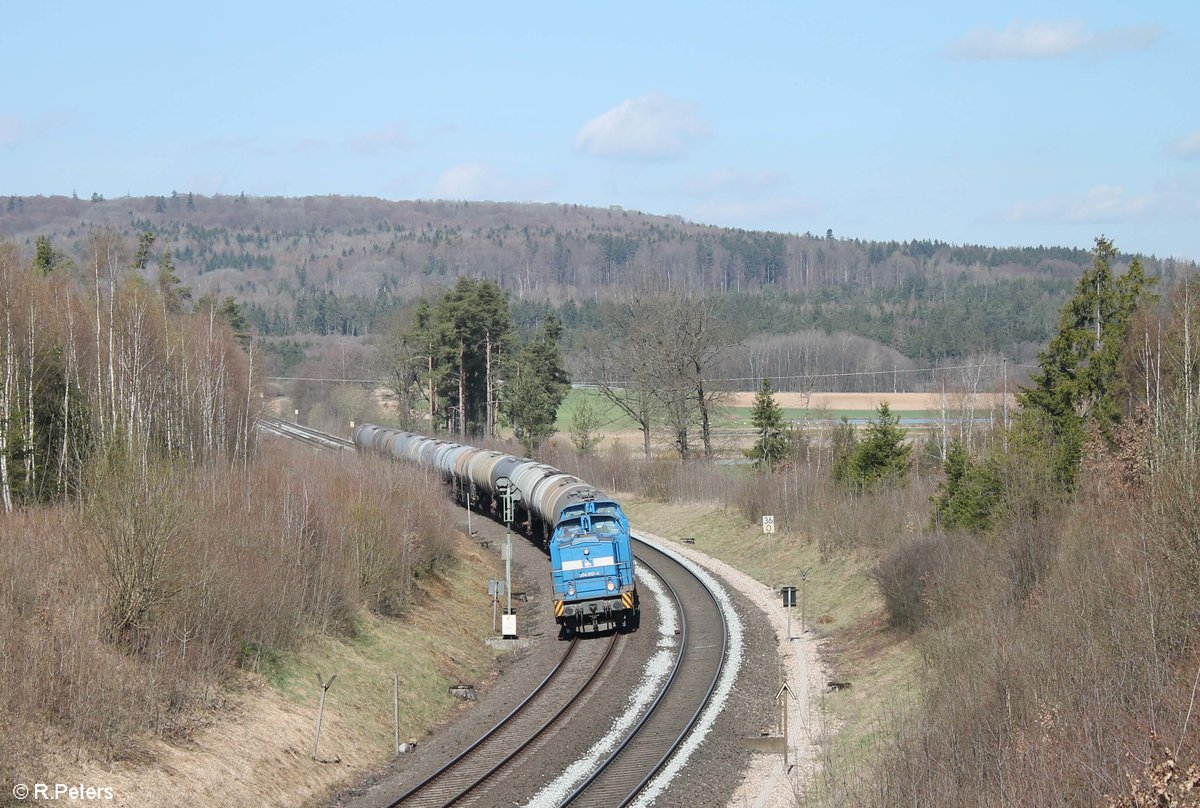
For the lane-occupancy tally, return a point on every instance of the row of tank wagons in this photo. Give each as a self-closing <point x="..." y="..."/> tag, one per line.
<point x="545" y="490"/>
<point x="591" y="558"/>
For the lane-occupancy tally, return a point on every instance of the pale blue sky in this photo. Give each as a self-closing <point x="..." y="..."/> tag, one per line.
<point x="1016" y="124"/>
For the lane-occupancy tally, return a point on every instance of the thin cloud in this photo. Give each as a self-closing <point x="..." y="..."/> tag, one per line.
<point x="653" y="127"/>
<point x="1186" y="147"/>
<point x="310" y="144"/>
<point x="384" y="140"/>
<point x="14" y="131"/>
<point x="11" y="132"/>
<point x="1050" y="39"/>
<point x="1099" y="205"/>
<point x="482" y="182"/>
<point x="728" y="181"/>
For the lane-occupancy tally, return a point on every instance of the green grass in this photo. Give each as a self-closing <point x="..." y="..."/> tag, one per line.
<point x="734" y="417"/>
<point x="837" y="592"/>
<point x="610" y="416"/>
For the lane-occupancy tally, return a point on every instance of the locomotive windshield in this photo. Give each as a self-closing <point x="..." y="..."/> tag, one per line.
<point x="600" y="525"/>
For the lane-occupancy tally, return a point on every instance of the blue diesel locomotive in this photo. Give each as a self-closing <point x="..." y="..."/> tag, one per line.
<point x="591" y="562"/>
<point x="591" y="558"/>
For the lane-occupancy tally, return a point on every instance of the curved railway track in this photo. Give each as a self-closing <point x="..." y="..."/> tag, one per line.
<point x="645" y="749"/>
<point x="460" y="780"/>
<point x="688" y="688"/>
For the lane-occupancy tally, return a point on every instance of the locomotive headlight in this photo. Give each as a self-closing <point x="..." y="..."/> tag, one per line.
<point x="571" y="589"/>
<point x="611" y="585"/>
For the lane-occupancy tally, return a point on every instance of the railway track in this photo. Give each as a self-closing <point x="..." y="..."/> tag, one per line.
<point x="305" y="435"/>
<point x="460" y="781"/>
<point x="646" y="747"/>
<point x="688" y="688"/>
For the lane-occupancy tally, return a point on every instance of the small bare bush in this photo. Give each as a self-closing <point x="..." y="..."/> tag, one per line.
<point x="1164" y="782"/>
<point x="134" y="516"/>
<point x="904" y="575"/>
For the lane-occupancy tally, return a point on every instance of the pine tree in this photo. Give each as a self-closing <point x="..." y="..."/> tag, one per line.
<point x="536" y="388"/>
<point x="1078" y="381"/>
<point x="471" y="327"/>
<point x="44" y="255"/>
<point x="771" y="447"/>
<point x="883" y="454"/>
<point x="142" y="257"/>
<point x="970" y="494"/>
<point x="173" y="294"/>
<point x="584" y="425"/>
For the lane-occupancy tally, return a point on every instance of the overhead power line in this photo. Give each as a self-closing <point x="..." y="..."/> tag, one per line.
<point x="845" y="374"/>
<point x="315" y="379"/>
<point x="841" y="375"/>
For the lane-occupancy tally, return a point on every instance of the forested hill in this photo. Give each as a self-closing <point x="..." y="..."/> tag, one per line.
<point x="339" y="264"/>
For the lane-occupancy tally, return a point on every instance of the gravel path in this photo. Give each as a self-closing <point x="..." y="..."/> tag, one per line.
<point x="764" y="784"/>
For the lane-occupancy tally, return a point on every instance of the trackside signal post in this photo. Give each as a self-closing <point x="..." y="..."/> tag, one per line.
<point x="509" y="496"/>
<point x="495" y="590"/>
<point x="789" y="603"/>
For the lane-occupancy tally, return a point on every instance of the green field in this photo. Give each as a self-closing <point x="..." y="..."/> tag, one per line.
<point x="612" y="419"/>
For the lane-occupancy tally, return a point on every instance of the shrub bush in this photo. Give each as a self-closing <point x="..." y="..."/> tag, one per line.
<point x="903" y="575"/>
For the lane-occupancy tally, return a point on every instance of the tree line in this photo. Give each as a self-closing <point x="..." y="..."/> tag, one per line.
<point x="457" y="364"/>
<point x="102" y="356"/>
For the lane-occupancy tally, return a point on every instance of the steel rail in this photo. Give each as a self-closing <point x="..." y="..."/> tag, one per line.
<point x="609" y="767"/>
<point x="517" y="748"/>
<point x="304" y="434"/>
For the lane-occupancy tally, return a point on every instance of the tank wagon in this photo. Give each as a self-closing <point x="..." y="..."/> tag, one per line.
<point x="591" y="559"/>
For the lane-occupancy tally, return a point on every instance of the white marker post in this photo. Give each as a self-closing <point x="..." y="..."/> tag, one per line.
<point x="768" y="523"/>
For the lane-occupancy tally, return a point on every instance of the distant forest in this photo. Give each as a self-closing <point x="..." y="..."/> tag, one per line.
<point x="345" y="265"/>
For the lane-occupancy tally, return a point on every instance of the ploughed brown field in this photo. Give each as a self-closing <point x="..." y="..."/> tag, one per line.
<point x="905" y="402"/>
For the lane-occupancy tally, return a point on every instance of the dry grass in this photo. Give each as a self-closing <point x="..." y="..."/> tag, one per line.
<point x="255" y="748"/>
<point x="864" y="402"/>
<point x="114" y="635"/>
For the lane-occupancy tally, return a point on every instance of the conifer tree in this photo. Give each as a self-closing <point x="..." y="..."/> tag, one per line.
<point x="536" y="388"/>
<point x="1077" y="383"/>
<point x="44" y="255"/>
<point x="880" y="457"/>
<point x="585" y="422"/>
<point x="767" y="416"/>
